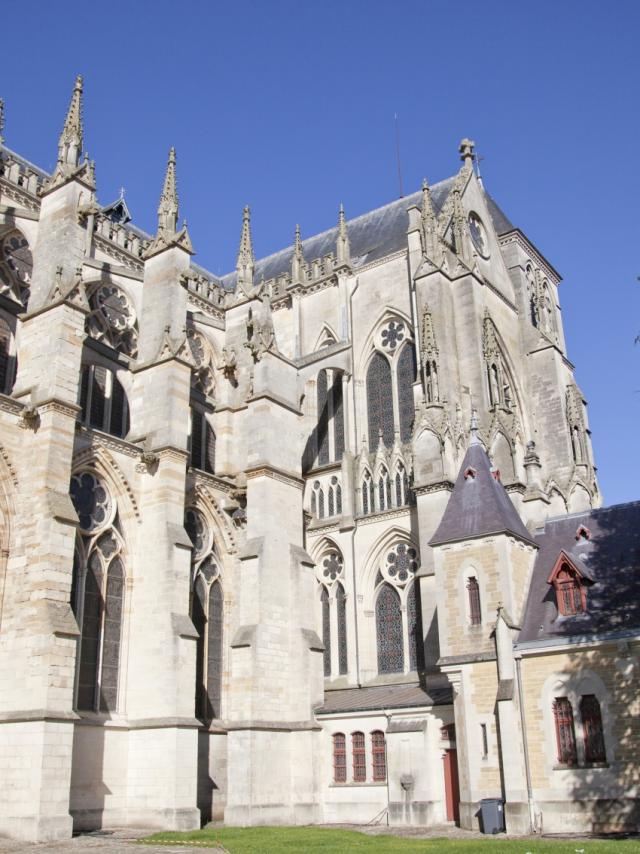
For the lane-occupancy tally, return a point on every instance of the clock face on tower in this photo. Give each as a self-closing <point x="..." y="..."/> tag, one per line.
<point x="478" y="234"/>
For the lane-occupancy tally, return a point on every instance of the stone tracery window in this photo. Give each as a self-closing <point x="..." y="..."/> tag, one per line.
<point x="397" y="611"/>
<point x="207" y="614"/>
<point x="367" y="494"/>
<point x="389" y="631"/>
<point x="113" y="319"/>
<point x="330" y="427"/>
<point x="16" y="267"/>
<point x="103" y="401"/>
<point x="406" y="375"/>
<point x="97" y="593"/>
<point x="202" y="441"/>
<point x="203" y="376"/>
<point x="389" y="392"/>
<point x="330" y="575"/>
<point x="380" y="402"/>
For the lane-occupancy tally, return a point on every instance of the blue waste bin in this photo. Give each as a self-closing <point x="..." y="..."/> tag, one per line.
<point x="492" y="815"/>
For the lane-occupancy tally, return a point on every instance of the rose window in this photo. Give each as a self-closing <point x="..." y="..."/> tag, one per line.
<point x="91" y="501"/>
<point x="402" y="562"/>
<point x="392" y="334"/>
<point x="196" y="528"/>
<point x="332" y="566"/>
<point x="113" y="319"/>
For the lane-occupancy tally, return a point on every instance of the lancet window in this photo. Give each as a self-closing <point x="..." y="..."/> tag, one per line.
<point x="333" y="604"/>
<point x="367" y="493"/>
<point x="473" y="595"/>
<point x="498" y="380"/>
<point x="399" y="639"/>
<point x="97" y="593"/>
<point x="390" y="396"/>
<point x="113" y="319"/>
<point x="103" y="401"/>
<point x="384" y="490"/>
<point x="16" y="267"/>
<point x="202" y="441"/>
<point x="203" y="376"/>
<point x="565" y="733"/>
<point x="378" y="755"/>
<point x="7" y="358"/>
<point x="594" y="750"/>
<point x="207" y="614"/>
<point x="330" y="428"/>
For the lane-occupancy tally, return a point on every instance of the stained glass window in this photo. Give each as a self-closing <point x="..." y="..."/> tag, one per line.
<point x="367" y="494"/>
<point x="214" y="650"/>
<point x="323" y="419"/>
<point x="565" y="734"/>
<point x="113" y="320"/>
<point x="326" y="630"/>
<point x="198" y="616"/>
<point x="380" y="402"/>
<point x="389" y="631"/>
<point x="97" y="593"/>
<point x="341" y="605"/>
<point x="338" y="499"/>
<point x="402" y="562"/>
<point x="592" y="727"/>
<point x="473" y="591"/>
<point x="339" y="758"/>
<point x="358" y="755"/>
<point x="406" y="375"/>
<point x="379" y="756"/>
<point x="332" y="506"/>
<point x="202" y="442"/>
<point x="414" y="627"/>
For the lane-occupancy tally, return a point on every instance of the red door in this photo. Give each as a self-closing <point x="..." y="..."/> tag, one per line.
<point x="451" y="787"/>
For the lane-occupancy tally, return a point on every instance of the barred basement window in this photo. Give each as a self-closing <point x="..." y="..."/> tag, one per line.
<point x="473" y="591"/>
<point x="379" y="402"/>
<point x="341" y="604"/>
<point x="326" y="630"/>
<point x="565" y="734"/>
<point x="406" y="376"/>
<point x="202" y="442"/>
<point x="379" y="756"/>
<point x="594" y="750"/>
<point x="103" y="401"/>
<point x="339" y="758"/>
<point x="359" y="757"/>
<point x="389" y="631"/>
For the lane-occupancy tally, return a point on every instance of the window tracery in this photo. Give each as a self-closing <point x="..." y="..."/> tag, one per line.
<point x="389" y="631"/>
<point x="317" y="500"/>
<point x="330" y="426"/>
<point x="406" y="375"/>
<point x="16" y="267"/>
<point x="207" y="614"/>
<point x="103" y="401"/>
<point x="380" y="402"/>
<point x="113" y="319"/>
<point x="398" y="625"/>
<point x="326" y="630"/>
<point x="414" y="629"/>
<point x="330" y="574"/>
<point x="384" y="490"/>
<point x="367" y="497"/>
<point x="97" y="593"/>
<point x="202" y="442"/>
<point x="203" y="375"/>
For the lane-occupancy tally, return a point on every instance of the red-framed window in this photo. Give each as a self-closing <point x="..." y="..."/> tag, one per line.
<point x="565" y="733"/>
<point x="359" y="757"/>
<point x="570" y="591"/>
<point x="592" y="729"/>
<point x="473" y="591"/>
<point x="339" y="758"/>
<point x="379" y="755"/>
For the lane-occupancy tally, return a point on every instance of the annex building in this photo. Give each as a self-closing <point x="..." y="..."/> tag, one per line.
<point x="317" y="541"/>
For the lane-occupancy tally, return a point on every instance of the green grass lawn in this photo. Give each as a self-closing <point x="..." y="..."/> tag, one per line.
<point x="264" y="840"/>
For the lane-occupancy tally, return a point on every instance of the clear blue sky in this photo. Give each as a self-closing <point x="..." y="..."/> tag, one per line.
<point x="288" y="106"/>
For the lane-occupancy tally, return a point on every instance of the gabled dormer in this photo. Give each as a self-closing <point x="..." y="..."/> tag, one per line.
<point x="570" y="581"/>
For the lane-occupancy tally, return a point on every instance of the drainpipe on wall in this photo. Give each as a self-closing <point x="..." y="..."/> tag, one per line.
<point x="533" y="828"/>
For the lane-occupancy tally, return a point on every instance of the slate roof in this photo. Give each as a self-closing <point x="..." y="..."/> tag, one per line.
<point x="612" y="559"/>
<point x="372" y="236"/>
<point x="384" y="697"/>
<point x="478" y="505"/>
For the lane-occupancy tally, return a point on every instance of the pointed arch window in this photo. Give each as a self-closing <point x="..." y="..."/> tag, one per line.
<point x="389" y="631"/>
<point x="103" y="401"/>
<point x="473" y="593"/>
<point x="403" y="491"/>
<point x="432" y="391"/>
<point x="7" y="359"/>
<point x="341" y="608"/>
<point x="414" y="628"/>
<point x="406" y="376"/>
<point x="113" y="319"/>
<point x="330" y="574"/>
<point x="594" y="750"/>
<point x="378" y="756"/>
<point x="358" y="755"/>
<point x="326" y="630"/>
<point x="367" y="494"/>
<point x="207" y="614"/>
<point x="330" y="428"/>
<point x="97" y="594"/>
<point x="384" y="490"/>
<point x="202" y="442"/>
<point x="16" y="267"/>
<point x="565" y="733"/>
<point x="339" y="758"/>
<point x="380" y="402"/>
<point x="317" y="500"/>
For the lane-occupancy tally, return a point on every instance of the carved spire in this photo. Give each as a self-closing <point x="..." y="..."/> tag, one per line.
<point x="460" y="226"/>
<point x="1" y="120"/>
<point x="168" y="207"/>
<point x="430" y="241"/>
<point x="343" y="250"/>
<point x="70" y="142"/>
<point x="168" y="234"/>
<point x="466" y="149"/>
<point x="245" y="263"/>
<point x="297" y="262"/>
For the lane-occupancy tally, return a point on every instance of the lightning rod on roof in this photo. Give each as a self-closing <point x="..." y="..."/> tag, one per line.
<point x="395" y="119"/>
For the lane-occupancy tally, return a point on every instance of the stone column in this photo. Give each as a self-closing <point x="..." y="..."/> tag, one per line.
<point x="276" y="655"/>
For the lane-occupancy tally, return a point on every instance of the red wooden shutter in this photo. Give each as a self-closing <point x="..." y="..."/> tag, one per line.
<point x="565" y="734"/>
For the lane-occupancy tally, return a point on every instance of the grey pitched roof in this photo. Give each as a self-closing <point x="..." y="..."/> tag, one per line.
<point x="500" y="220"/>
<point x="478" y="505"/>
<point x="384" y="697"/>
<point x="611" y="558"/>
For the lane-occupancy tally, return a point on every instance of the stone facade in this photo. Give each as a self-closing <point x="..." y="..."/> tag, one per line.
<point x="219" y="595"/>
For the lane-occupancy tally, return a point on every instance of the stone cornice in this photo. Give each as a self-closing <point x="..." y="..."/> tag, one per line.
<point x="18" y="213"/>
<point x="127" y="259"/>
<point x="518" y="237"/>
<point x="427" y="489"/>
<point x="106" y="440"/>
<point x="272" y="726"/>
<point x="265" y="469"/>
<point x="20" y="195"/>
